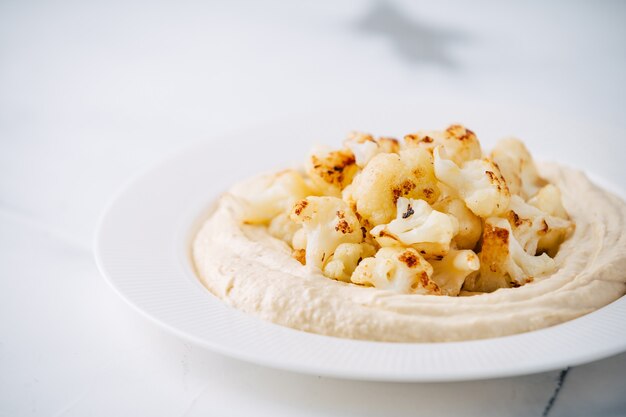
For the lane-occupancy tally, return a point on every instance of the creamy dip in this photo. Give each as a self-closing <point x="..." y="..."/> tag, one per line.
<point x="250" y="270"/>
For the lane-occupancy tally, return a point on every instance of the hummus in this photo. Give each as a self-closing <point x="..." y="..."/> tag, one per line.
<point x="252" y="271"/>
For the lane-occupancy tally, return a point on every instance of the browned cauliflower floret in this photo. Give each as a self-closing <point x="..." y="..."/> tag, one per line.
<point x="504" y="262"/>
<point x="387" y="177"/>
<point x="461" y="144"/>
<point x="470" y="225"/>
<point x="401" y="270"/>
<point x="345" y="259"/>
<point x="331" y="171"/>
<point x="548" y="199"/>
<point x="478" y="182"/>
<point x="271" y="195"/>
<point x="517" y="167"/>
<point x="433" y="216"/>
<point x="327" y="223"/>
<point x="450" y="272"/>
<point x="419" y="226"/>
<point x="536" y="230"/>
<point x="365" y="147"/>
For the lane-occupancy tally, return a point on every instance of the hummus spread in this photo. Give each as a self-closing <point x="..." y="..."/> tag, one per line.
<point x="251" y="269"/>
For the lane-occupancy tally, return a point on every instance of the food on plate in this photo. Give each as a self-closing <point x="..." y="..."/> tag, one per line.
<point x="427" y="239"/>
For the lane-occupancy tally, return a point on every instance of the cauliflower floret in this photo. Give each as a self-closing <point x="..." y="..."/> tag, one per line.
<point x="346" y="257"/>
<point x="331" y="171"/>
<point x="283" y="228"/>
<point x="388" y="144"/>
<point x="517" y="167"/>
<point x="401" y="270"/>
<point x="327" y="222"/>
<point x="503" y="261"/>
<point x="365" y="147"/>
<point x="298" y="240"/>
<point x="419" y="226"/>
<point x="449" y="273"/>
<point x="270" y="195"/>
<point x="461" y="144"/>
<point x="548" y="199"/>
<point x="470" y="225"/>
<point x="534" y="229"/>
<point x="478" y="182"/>
<point x="375" y="190"/>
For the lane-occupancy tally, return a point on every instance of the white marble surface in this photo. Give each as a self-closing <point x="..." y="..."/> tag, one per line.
<point x="92" y="92"/>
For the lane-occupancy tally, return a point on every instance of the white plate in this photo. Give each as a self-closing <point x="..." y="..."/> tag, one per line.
<point x="142" y="248"/>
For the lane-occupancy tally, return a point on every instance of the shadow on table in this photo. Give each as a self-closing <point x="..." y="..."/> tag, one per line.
<point x="415" y="41"/>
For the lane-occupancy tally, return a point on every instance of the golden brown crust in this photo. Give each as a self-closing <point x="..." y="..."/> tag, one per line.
<point x="342" y="225"/>
<point x="402" y="189"/>
<point x="389" y="145"/>
<point x="409" y="259"/>
<point x="495" y="246"/>
<point x="460" y="132"/>
<point x="332" y="168"/>
<point x="300" y="206"/>
<point x="299" y="255"/>
<point x="415" y="138"/>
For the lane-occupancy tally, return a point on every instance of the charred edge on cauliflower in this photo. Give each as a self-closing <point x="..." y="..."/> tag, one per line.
<point x="515" y="284"/>
<point x="497" y="180"/>
<point x="515" y="219"/>
<point x="413" y="137"/>
<point x="461" y="133"/>
<point x="382" y="233"/>
<point x="342" y="225"/>
<point x="300" y="206"/>
<point x="409" y="259"/>
<point x="360" y="137"/>
<point x="403" y="189"/>
<point x="427" y="284"/>
<point x="331" y="169"/>
<point x="409" y="212"/>
<point x="496" y="238"/>
<point x="299" y="255"/>
<point x="391" y="145"/>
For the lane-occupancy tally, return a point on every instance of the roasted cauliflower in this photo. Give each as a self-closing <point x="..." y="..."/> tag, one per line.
<point x="364" y="147"/>
<point x="401" y="270"/>
<point x="461" y="144"/>
<point x="419" y="226"/>
<point x="470" y="225"/>
<point x="517" y="167"/>
<point x="433" y="215"/>
<point x="271" y="195"/>
<point x="327" y="222"/>
<point x="477" y="182"/>
<point x="331" y="171"/>
<point x="450" y="272"/>
<point x="344" y="260"/>
<point x="387" y="177"/>
<point x="504" y="262"/>
<point x="534" y="229"/>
